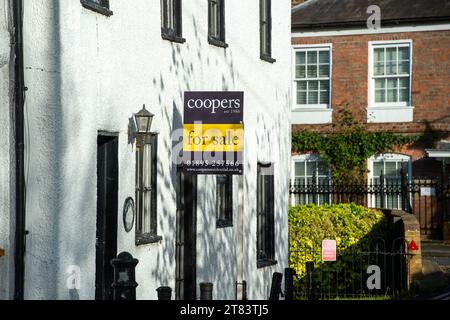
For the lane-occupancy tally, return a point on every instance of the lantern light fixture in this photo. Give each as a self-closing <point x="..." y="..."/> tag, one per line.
<point x="143" y="120"/>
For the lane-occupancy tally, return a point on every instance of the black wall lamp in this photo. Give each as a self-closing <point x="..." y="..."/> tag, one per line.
<point x="140" y="123"/>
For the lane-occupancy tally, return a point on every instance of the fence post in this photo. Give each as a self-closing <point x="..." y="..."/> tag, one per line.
<point x="314" y="191"/>
<point x="164" y="293"/>
<point x="382" y="195"/>
<point x="311" y="288"/>
<point x="124" y="285"/>
<point x="206" y="289"/>
<point x="289" y="274"/>
<point x="275" y="289"/>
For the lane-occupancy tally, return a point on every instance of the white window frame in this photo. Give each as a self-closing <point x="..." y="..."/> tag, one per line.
<point x="394" y="157"/>
<point x="312" y="157"/>
<point x="305" y="48"/>
<point x="371" y="78"/>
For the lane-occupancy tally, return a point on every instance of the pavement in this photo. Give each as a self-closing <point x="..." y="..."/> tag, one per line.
<point x="435" y="283"/>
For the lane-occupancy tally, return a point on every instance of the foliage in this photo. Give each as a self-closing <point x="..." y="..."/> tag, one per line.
<point x="354" y="228"/>
<point x="348" y="147"/>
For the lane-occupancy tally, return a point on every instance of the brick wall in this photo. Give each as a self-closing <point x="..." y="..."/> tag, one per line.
<point x="430" y="82"/>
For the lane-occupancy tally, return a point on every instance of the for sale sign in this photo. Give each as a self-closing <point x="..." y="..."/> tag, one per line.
<point x="328" y="250"/>
<point x="213" y="132"/>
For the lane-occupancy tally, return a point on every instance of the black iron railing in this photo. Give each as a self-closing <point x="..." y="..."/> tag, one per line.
<point x="428" y="199"/>
<point x="375" y="271"/>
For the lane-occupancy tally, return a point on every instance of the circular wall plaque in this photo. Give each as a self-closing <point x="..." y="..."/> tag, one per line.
<point x="128" y="214"/>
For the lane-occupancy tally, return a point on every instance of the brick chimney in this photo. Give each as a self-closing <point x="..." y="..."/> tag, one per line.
<point x="295" y="2"/>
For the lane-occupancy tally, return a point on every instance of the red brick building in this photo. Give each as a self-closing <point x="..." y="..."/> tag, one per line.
<point x="385" y="61"/>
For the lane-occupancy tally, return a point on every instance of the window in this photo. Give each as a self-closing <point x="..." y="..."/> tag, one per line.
<point x="310" y="174"/>
<point x="387" y="170"/>
<point x="224" y="201"/>
<point x="312" y="76"/>
<point x="265" y="21"/>
<point x="171" y="20"/>
<point x="216" y="23"/>
<point x="146" y="219"/>
<point x="100" y="6"/>
<point x="265" y="216"/>
<point x="391" y="74"/>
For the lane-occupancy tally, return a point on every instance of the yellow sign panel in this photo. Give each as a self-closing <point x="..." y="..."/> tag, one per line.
<point x="213" y="137"/>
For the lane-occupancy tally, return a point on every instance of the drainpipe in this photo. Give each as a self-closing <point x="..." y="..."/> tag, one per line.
<point x="19" y="88"/>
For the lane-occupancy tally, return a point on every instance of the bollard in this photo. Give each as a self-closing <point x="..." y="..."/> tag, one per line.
<point x="289" y="274"/>
<point x="311" y="290"/>
<point x="244" y="289"/>
<point x="164" y="293"/>
<point x="275" y="289"/>
<point x="124" y="285"/>
<point x="206" y="289"/>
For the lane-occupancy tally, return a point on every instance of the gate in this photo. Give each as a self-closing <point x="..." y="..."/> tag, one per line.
<point x="375" y="271"/>
<point x="428" y="200"/>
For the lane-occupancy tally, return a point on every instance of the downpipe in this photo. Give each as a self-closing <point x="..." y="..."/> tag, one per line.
<point x="19" y="88"/>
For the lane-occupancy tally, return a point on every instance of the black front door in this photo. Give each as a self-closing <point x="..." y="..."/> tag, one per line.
<point x="107" y="202"/>
<point x="186" y="249"/>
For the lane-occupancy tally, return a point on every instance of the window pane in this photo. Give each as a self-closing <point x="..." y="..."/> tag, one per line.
<point x="379" y="69"/>
<point x="324" y="92"/>
<point x="310" y="168"/>
<point x="379" y="83"/>
<point x="324" y="70"/>
<point x="300" y="58"/>
<point x="391" y="61"/>
<point x="392" y="95"/>
<point x="147" y="165"/>
<point x="300" y="72"/>
<point x="380" y="95"/>
<point x="146" y="213"/>
<point x="324" y="97"/>
<point x="324" y="57"/>
<point x="391" y="83"/>
<point x="299" y="169"/>
<point x="391" y="169"/>
<point x="312" y="57"/>
<point x="313" y="85"/>
<point x="391" y="54"/>
<point x="301" y="97"/>
<point x="301" y="92"/>
<point x="301" y="85"/>
<point x="312" y="71"/>
<point x="404" y="95"/>
<point x="322" y="168"/>
<point x="403" y="67"/>
<point x="379" y="55"/>
<point x="377" y="168"/>
<point x="313" y="97"/>
<point x="404" y="166"/>
<point x="391" y="67"/>
<point x="403" y="53"/>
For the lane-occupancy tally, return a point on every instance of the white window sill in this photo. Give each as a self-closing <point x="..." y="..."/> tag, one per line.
<point x="390" y="114"/>
<point x="312" y="115"/>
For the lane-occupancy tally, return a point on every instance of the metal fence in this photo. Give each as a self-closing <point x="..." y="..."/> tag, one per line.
<point x="373" y="271"/>
<point x="428" y="199"/>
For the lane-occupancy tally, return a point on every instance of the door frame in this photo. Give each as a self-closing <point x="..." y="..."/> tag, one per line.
<point x="186" y="236"/>
<point x="107" y="226"/>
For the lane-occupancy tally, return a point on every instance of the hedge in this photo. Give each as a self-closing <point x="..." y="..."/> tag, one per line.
<point x="352" y="226"/>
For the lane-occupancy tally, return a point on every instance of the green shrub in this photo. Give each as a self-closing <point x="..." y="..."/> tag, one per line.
<point x="355" y="229"/>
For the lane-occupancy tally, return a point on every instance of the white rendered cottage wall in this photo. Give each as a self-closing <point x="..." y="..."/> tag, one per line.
<point x="86" y="72"/>
<point x="6" y="156"/>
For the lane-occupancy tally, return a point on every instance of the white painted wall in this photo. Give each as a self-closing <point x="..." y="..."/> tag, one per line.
<point x="6" y="154"/>
<point x="86" y="72"/>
